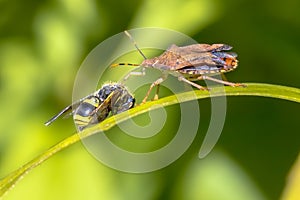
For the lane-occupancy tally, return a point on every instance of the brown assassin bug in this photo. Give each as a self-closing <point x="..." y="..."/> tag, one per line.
<point x="188" y="63"/>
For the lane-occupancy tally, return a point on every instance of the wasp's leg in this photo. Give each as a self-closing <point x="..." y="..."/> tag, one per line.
<point x="221" y="81"/>
<point x="104" y="105"/>
<point x="181" y="78"/>
<point x="155" y="83"/>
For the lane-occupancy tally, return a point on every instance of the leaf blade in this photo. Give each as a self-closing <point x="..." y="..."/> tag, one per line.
<point x="252" y="89"/>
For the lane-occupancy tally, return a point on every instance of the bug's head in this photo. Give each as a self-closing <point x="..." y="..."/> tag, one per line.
<point x="230" y="63"/>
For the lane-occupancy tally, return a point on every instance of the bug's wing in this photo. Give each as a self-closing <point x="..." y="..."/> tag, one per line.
<point x="167" y="61"/>
<point x="175" y="58"/>
<point x="200" y="55"/>
<point x="199" y="48"/>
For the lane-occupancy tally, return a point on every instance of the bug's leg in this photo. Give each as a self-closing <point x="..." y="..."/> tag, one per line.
<point x="155" y="83"/>
<point x="156" y="93"/>
<point x="223" y="77"/>
<point x="141" y="73"/>
<point x="181" y="78"/>
<point x="237" y="84"/>
<point x="222" y="82"/>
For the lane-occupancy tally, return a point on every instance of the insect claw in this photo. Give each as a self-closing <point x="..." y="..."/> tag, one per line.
<point x="155" y="97"/>
<point x="143" y="102"/>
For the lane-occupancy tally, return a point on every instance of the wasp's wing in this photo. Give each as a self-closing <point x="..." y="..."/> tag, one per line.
<point x="66" y="109"/>
<point x="121" y="101"/>
<point x="66" y="116"/>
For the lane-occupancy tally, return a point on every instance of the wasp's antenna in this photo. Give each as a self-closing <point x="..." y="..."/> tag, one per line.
<point x="135" y="44"/>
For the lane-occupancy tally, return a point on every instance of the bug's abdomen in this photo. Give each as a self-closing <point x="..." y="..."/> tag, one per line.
<point x="200" y="70"/>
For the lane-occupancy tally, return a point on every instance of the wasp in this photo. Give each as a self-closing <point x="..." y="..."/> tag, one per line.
<point x="189" y="63"/>
<point x="111" y="98"/>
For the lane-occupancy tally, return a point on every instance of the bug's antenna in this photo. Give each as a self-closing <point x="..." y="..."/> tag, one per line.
<point x="135" y="44"/>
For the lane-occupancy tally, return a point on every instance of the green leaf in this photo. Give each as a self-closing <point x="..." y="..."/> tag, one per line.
<point x="252" y="89"/>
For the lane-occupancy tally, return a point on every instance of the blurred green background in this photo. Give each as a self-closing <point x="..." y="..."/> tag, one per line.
<point x="43" y="43"/>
